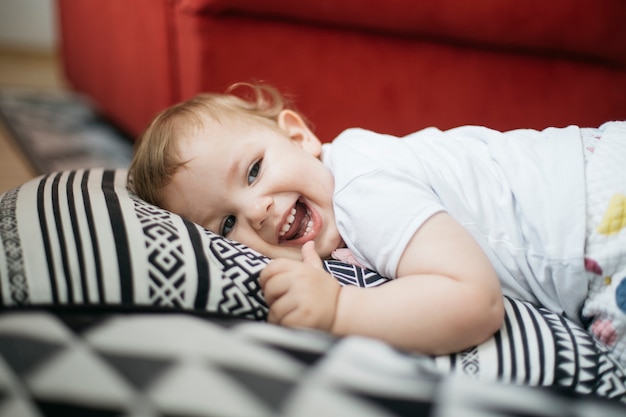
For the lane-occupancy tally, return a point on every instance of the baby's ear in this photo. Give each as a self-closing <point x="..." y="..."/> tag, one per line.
<point x="298" y="131"/>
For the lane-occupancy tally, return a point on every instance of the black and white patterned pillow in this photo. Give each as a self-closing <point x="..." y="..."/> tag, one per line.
<point x="80" y="238"/>
<point x="154" y="363"/>
<point x="538" y="347"/>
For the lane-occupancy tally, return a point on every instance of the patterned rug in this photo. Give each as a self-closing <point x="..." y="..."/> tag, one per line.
<point x="61" y="131"/>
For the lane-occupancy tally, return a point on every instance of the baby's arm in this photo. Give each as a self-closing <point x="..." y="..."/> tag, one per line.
<point x="446" y="297"/>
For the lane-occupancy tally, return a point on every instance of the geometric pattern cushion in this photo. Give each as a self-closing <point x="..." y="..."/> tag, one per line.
<point x="79" y="238"/>
<point x="75" y="364"/>
<point x="537" y="347"/>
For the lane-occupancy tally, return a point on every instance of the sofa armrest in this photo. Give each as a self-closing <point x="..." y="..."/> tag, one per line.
<point x="586" y="28"/>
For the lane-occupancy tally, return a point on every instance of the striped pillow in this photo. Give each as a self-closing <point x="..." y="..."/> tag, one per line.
<point x="79" y="237"/>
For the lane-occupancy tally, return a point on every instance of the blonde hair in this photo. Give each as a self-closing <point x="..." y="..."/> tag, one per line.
<point x="156" y="158"/>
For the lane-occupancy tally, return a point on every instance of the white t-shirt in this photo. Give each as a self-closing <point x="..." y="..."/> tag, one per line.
<point x="521" y="194"/>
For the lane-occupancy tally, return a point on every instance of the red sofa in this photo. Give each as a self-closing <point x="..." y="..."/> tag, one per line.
<point x="393" y="66"/>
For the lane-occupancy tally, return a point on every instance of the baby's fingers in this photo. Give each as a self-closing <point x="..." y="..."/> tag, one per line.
<point x="274" y="268"/>
<point x="275" y="287"/>
<point x="281" y="309"/>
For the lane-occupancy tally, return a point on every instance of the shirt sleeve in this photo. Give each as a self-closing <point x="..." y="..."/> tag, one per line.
<point x="380" y="202"/>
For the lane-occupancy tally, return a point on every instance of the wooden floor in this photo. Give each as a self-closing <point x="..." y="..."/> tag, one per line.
<point x="20" y="69"/>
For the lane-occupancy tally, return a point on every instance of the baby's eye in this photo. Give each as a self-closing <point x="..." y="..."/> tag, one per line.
<point x="254" y="171"/>
<point x="228" y="225"/>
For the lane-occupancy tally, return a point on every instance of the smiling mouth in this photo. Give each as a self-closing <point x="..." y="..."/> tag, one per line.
<point x="298" y="223"/>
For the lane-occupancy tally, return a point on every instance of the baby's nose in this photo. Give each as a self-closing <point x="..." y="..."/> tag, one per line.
<point x="259" y="211"/>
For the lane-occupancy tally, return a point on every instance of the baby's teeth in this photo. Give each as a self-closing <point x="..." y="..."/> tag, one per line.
<point x="290" y="219"/>
<point x="287" y="225"/>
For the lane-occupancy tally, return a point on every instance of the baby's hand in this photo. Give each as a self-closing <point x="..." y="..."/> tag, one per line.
<point x="300" y="293"/>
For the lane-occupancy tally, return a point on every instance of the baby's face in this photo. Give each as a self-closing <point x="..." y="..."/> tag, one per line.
<point x="263" y="187"/>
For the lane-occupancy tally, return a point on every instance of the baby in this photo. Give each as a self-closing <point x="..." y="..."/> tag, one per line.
<point x="456" y="218"/>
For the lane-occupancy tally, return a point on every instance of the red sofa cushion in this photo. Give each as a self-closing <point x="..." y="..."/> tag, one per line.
<point x="589" y="28"/>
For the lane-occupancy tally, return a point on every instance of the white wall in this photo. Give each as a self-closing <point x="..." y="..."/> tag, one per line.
<point x="28" y="24"/>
